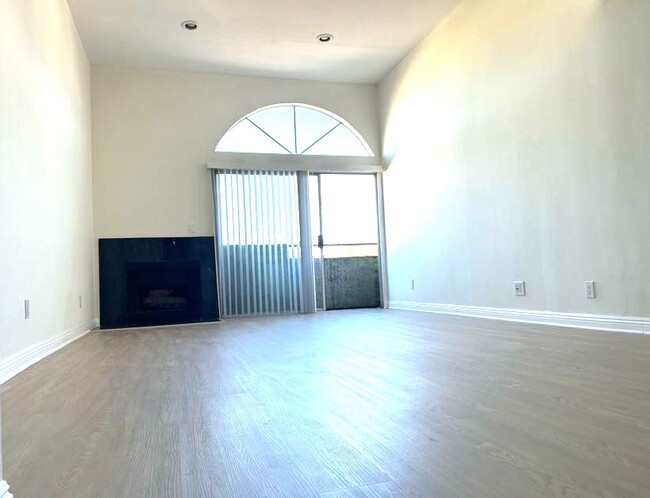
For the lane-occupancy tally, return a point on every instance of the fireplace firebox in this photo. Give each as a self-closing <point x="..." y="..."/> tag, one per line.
<point x="163" y="292"/>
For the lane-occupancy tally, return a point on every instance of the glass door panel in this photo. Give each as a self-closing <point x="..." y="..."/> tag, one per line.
<point x="345" y="228"/>
<point x="258" y="242"/>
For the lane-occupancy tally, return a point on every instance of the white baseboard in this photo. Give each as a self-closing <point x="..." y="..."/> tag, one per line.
<point x="610" y="323"/>
<point x="17" y="362"/>
<point x="4" y="490"/>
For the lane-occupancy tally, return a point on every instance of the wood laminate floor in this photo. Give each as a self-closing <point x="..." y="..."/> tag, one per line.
<point x="357" y="403"/>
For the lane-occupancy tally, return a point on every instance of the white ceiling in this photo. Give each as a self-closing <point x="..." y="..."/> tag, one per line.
<point x="259" y="37"/>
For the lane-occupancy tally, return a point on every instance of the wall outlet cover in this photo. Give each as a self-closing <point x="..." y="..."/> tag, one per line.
<point x="590" y="289"/>
<point x="520" y="288"/>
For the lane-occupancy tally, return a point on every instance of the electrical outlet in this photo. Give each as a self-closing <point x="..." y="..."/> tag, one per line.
<point x="412" y="284"/>
<point x="520" y="288"/>
<point x="590" y="289"/>
<point x="27" y="310"/>
<point x="191" y="228"/>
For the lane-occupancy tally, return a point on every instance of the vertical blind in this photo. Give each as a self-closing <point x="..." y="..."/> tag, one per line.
<point x="258" y="242"/>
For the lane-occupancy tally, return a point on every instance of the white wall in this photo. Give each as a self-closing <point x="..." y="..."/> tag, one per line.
<point x="518" y="142"/>
<point x="45" y="174"/>
<point x="154" y="131"/>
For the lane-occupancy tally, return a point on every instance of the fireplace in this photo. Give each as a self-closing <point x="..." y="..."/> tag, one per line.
<point x="157" y="281"/>
<point x="164" y="292"/>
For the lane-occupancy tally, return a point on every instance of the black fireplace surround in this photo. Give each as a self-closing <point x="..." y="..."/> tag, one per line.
<point x="156" y="281"/>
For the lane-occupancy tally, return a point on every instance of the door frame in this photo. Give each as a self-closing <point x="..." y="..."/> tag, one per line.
<point x="303" y="166"/>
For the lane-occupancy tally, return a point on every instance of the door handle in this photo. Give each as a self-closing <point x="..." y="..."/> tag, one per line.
<point x="320" y="242"/>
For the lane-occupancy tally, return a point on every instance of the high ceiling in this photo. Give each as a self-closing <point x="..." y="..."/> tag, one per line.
<point x="260" y="37"/>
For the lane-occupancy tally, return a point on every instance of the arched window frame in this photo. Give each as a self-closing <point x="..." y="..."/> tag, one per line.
<point x="293" y="161"/>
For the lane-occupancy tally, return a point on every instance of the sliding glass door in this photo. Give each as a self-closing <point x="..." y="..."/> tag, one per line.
<point x="258" y="242"/>
<point x="344" y="222"/>
<point x="291" y="242"/>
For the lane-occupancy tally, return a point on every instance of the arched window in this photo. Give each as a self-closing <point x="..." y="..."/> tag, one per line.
<point x="294" y="129"/>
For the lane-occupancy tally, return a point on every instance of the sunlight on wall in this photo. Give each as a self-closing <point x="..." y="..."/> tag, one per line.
<point x="500" y="134"/>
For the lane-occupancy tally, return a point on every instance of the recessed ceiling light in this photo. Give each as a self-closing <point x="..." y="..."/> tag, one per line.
<point x="190" y="25"/>
<point x="325" y="38"/>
